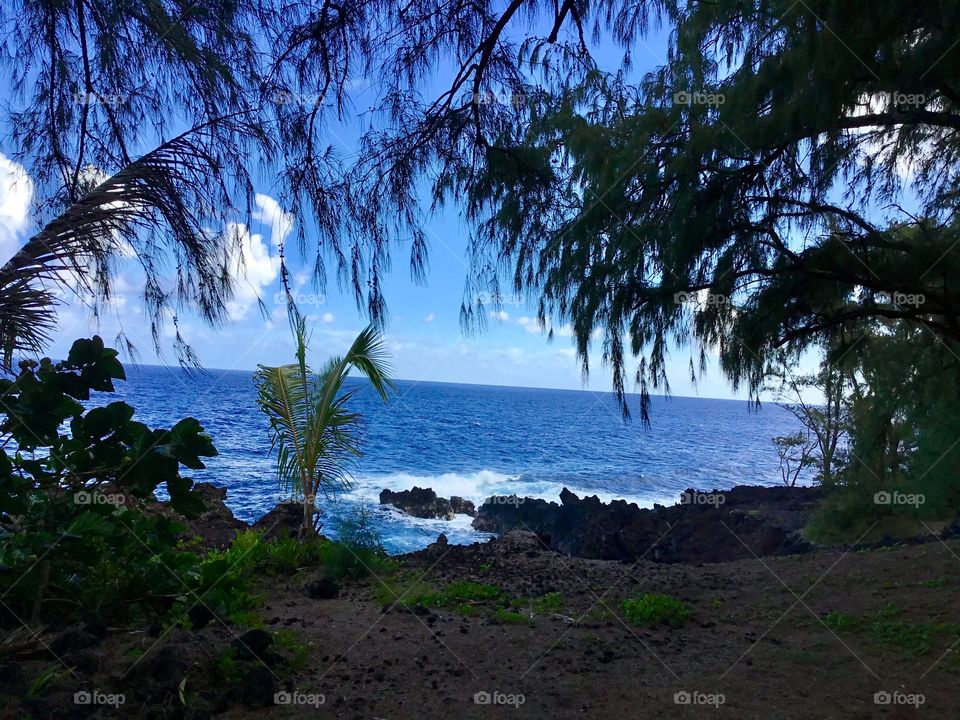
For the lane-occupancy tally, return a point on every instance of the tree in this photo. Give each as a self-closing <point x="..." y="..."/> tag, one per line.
<point x="314" y="432"/>
<point x="795" y="453"/>
<point x="144" y="128"/>
<point x="603" y="197"/>
<point x="75" y="483"/>
<point x="825" y="419"/>
<point x="763" y="166"/>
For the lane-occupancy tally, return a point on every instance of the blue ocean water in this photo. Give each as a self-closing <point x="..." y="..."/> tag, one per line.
<point x="475" y="441"/>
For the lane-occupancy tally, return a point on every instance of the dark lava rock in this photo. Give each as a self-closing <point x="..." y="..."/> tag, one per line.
<point x="169" y="661"/>
<point x="704" y="527"/>
<point x="253" y="644"/>
<point x="323" y="589"/>
<point x="285" y="520"/>
<point x="419" y="502"/>
<point x="259" y="688"/>
<point x="408" y="609"/>
<point x="72" y="640"/>
<point x="216" y="526"/>
<point x="200" y="616"/>
<point x="462" y="507"/>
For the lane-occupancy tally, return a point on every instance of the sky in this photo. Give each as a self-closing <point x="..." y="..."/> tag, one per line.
<point x="423" y="331"/>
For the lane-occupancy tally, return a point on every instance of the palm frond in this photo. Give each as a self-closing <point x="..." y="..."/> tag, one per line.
<point x="315" y="433"/>
<point x="157" y="206"/>
<point x="281" y="396"/>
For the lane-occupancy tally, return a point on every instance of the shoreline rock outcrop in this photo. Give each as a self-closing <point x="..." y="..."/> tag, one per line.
<point x="425" y="503"/>
<point x="743" y="522"/>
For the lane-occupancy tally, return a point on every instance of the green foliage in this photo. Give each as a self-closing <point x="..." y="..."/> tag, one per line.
<point x="296" y="654"/>
<point x="549" y="602"/>
<point x="359" y="550"/>
<point x="464" y="597"/>
<point x="901" y="462"/>
<point x="76" y="540"/>
<point x="463" y="591"/>
<point x="842" y="622"/>
<point x="885" y="629"/>
<point x="653" y="609"/>
<point x="315" y="434"/>
<point x="510" y="617"/>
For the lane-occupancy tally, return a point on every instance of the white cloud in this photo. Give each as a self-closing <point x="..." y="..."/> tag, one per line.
<point x="16" y="194"/>
<point x="251" y="259"/>
<point x="533" y="326"/>
<point x="501" y="315"/>
<point x="429" y="318"/>
<point x="269" y="212"/>
<point x="254" y="266"/>
<point x="327" y="318"/>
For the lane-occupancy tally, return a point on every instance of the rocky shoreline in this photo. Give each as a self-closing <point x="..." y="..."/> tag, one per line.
<point x="743" y="522"/>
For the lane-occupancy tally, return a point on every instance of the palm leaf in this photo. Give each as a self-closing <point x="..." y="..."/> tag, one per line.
<point x="154" y="206"/>
<point x="315" y="434"/>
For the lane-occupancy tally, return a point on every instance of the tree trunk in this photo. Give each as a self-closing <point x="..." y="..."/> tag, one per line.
<point x="308" y="512"/>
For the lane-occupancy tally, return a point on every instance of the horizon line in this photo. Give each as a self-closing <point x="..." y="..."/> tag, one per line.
<point x="448" y="382"/>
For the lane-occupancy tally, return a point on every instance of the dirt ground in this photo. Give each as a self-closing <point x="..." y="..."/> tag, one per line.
<point x="863" y="634"/>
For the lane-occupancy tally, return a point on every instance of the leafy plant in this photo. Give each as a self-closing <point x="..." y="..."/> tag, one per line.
<point x="651" y="609"/>
<point x="359" y="550"/>
<point x="313" y="431"/>
<point x="72" y="495"/>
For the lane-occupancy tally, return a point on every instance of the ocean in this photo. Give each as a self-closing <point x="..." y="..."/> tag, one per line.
<point x="475" y="441"/>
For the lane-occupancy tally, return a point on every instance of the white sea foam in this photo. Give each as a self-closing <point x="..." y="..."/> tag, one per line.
<point x="482" y="484"/>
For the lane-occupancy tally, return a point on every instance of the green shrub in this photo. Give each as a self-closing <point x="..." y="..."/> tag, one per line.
<point x="550" y="602"/>
<point x="842" y="622"/>
<point x="359" y="550"/>
<point x="77" y="541"/>
<point x="509" y="617"/>
<point x="652" y="609"/>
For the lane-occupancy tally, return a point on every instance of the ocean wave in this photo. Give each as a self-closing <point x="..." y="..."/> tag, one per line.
<point x="479" y="485"/>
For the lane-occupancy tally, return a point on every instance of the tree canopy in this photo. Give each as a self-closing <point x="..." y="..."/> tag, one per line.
<point x="789" y="172"/>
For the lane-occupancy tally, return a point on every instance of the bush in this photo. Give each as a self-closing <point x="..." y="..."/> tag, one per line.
<point x="77" y="542"/>
<point x="359" y="551"/>
<point x="652" y="609"/>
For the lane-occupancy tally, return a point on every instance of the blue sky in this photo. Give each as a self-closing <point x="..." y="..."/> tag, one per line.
<point x="423" y="330"/>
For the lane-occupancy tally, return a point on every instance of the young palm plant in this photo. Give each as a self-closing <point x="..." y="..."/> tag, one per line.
<point x="315" y="434"/>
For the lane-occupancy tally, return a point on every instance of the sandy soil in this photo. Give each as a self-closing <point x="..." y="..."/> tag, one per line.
<point x="762" y="643"/>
